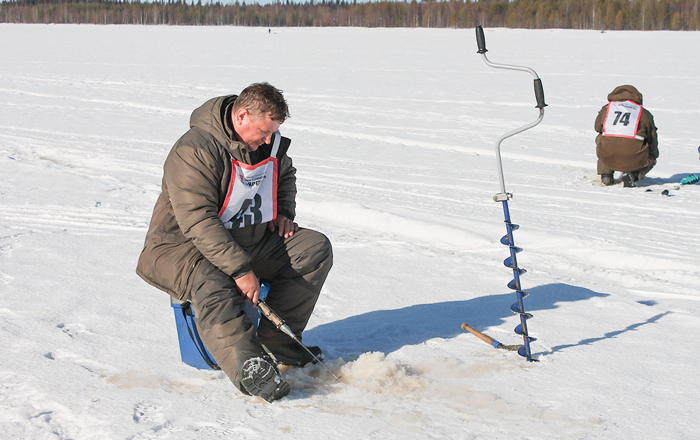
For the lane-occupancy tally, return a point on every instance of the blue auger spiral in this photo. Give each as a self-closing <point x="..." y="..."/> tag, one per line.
<point x="518" y="306"/>
<point x="512" y="262"/>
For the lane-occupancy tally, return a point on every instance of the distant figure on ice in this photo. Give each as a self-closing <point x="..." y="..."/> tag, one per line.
<point x="626" y="140"/>
<point x="223" y="221"/>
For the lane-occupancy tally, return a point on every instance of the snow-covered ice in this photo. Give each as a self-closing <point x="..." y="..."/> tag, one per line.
<point x="393" y="136"/>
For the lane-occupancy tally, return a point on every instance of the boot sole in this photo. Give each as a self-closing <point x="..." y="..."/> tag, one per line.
<point x="260" y="378"/>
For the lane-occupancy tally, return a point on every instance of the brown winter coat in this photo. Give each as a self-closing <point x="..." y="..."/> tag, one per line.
<point x="625" y="154"/>
<point x="185" y="226"/>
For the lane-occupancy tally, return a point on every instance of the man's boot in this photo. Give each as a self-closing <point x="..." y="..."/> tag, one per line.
<point x="261" y="377"/>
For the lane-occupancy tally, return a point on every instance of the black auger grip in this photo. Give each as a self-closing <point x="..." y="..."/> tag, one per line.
<point x="480" y="40"/>
<point x="539" y="94"/>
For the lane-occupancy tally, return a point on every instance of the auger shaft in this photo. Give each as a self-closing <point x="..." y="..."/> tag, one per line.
<point x="518" y="307"/>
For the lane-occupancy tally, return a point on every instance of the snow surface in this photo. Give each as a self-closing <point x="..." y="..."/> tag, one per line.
<point x="393" y="136"/>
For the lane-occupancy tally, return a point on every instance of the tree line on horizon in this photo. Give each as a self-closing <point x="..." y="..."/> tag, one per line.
<point x="524" y="14"/>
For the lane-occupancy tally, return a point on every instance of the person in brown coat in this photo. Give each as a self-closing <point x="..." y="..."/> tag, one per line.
<point x="627" y="139"/>
<point x="223" y="221"/>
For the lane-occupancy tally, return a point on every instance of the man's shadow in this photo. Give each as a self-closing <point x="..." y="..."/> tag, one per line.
<point x="389" y="330"/>
<point x="651" y="181"/>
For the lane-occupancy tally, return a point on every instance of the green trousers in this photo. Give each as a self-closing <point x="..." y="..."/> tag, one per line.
<point x="296" y="269"/>
<point x="641" y="173"/>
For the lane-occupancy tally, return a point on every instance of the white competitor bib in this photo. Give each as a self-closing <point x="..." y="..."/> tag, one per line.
<point x="622" y="119"/>
<point x="252" y="192"/>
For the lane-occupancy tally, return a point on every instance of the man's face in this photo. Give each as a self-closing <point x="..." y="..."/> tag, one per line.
<point x="254" y="132"/>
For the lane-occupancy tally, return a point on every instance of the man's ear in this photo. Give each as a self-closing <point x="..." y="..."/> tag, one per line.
<point x="239" y="116"/>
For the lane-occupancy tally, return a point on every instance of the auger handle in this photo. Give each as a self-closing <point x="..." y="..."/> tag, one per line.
<point x="539" y="94"/>
<point x="539" y="90"/>
<point x="503" y="196"/>
<point x="480" y="40"/>
<point x="489" y="340"/>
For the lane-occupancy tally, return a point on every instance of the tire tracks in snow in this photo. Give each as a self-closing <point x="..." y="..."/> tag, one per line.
<point x="81" y="221"/>
<point x="118" y="103"/>
<point x="410" y="142"/>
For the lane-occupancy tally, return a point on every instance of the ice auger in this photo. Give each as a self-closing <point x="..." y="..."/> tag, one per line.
<point x="512" y="262"/>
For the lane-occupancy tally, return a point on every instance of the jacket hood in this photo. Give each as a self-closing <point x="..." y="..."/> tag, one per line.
<point x="212" y="116"/>
<point x="626" y="93"/>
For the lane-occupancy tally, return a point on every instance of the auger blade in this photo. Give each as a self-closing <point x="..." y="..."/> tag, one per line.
<point x="506" y="240"/>
<point x="514" y="284"/>
<point x="523" y="351"/>
<point x="519" y="328"/>
<point x="512" y="226"/>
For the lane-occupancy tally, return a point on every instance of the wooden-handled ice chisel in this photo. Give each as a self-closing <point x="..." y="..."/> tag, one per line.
<point x="282" y="326"/>
<point x="490" y="340"/>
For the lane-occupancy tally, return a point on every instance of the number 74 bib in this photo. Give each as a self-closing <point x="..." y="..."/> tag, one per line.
<point x="252" y="192"/>
<point x="622" y="119"/>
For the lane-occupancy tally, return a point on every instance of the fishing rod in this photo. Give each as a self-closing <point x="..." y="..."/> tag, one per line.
<point x="284" y="328"/>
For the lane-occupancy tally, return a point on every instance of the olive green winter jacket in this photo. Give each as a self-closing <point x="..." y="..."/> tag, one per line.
<point x="626" y="154"/>
<point x="185" y="226"/>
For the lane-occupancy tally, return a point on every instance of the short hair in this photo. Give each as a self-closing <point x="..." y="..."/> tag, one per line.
<point x="261" y="98"/>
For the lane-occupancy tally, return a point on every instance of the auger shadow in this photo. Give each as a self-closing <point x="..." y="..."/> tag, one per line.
<point x="612" y="334"/>
<point x="389" y="330"/>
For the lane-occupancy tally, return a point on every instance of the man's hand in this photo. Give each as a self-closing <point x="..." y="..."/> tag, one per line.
<point x="285" y="227"/>
<point x="249" y="286"/>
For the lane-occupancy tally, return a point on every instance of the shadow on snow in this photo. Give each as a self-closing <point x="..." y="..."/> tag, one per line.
<point x="389" y="330"/>
<point x="613" y="334"/>
<point x="653" y="181"/>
